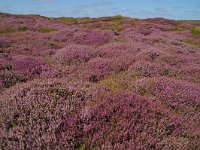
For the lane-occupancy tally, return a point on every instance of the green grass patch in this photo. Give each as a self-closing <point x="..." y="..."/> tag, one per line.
<point x="195" y="31"/>
<point x="118" y="82"/>
<point x="114" y="83"/>
<point x="46" y="30"/>
<point x="7" y="31"/>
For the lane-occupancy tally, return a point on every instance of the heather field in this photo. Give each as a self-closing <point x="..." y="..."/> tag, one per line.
<point x="110" y="83"/>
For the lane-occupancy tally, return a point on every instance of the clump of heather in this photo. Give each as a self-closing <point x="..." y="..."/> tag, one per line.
<point x="74" y="54"/>
<point x="49" y="72"/>
<point x="178" y="94"/>
<point x="92" y="37"/>
<point x="65" y="35"/>
<point x="124" y="121"/>
<point x="190" y="73"/>
<point x="33" y="114"/>
<point x="116" y="49"/>
<point x="146" y="29"/>
<point x="99" y="68"/>
<point x="10" y="78"/>
<point x="26" y="65"/>
<point x="181" y="97"/>
<point x="148" y="69"/>
<point x="175" y="94"/>
<point x="151" y="55"/>
<point x="4" y="64"/>
<point x="122" y="63"/>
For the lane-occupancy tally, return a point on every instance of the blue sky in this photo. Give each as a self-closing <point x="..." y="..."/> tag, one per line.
<point x="172" y="9"/>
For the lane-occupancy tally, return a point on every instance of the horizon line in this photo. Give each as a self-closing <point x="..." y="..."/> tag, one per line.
<point x="27" y="14"/>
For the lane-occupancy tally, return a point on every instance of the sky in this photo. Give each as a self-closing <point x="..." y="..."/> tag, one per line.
<point x="171" y="9"/>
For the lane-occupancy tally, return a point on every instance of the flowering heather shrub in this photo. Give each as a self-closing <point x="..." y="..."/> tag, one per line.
<point x="26" y="65"/>
<point x="29" y="44"/>
<point x="162" y="39"/>
<point x="64" y="35"/>
<point x="152" y="55"/>
<point x="147" y="69"/>
<point x="59" y="71"/>
<point x="32" y="22"/>
<point x="116" y="49"/>
<point x="5" y="44"/>
<point x="179" y="95"/>
<point x="74" y="54"/>
<point x="175" y="61"/>
<point x="4" y="63"/>
<point x="190" y="73"/>
<point x="90" y="37"/>
<point x="181" y="48"/>
<point x="33" y="114"/>
<point x="7" y="76"/>
<point x="145" y="30"/>
<point x="10" y="78"/>
<point x="123" y="121"/>
<point x="49" y="72"/>
<point x="99" y="68"/>
<point x="122" y="63"/>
